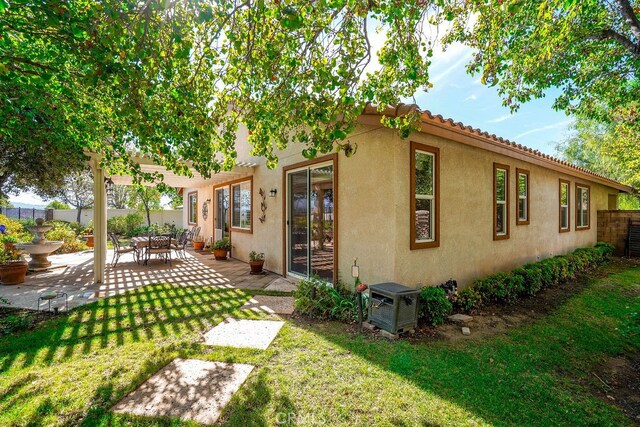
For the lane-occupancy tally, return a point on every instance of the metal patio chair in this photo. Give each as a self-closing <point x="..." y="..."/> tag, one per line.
<point x="161" y="246"/>
<point x="119" y="250"/>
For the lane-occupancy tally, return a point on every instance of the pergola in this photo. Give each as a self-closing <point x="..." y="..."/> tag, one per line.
<point x="242" y="169"/>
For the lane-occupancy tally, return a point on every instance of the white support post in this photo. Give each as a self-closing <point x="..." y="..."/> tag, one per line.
<point x="99" y="222"/>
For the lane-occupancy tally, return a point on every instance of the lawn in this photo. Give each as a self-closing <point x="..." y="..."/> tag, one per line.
<point x="71" y="370"/>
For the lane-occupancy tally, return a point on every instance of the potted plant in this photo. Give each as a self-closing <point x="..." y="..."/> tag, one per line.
<point x="13" y="267"/>
<point x="221" y="248"/>
<point x="9" y="241"/>
<point x="256" y="262"/>
<point x="198" y="243"/>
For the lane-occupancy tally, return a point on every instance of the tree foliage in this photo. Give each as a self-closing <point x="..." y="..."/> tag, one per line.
<point x="57" y="204"/>
<point x="596" y="146"/>
<point x="173" y="81"/>
<point x="590" y="49"/>
<point x="145" y="199"/>
<point x="77" y="191"/>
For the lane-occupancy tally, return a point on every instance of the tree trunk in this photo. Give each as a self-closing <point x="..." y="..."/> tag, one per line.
<point x="148" y="217"/>
<point x="78" y="217"/>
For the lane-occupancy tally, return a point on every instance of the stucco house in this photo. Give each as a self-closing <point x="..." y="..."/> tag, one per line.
<point x="450" y="201"/>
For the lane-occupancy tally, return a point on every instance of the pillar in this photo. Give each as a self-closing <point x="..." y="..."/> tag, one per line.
<point x="99" y="222"/>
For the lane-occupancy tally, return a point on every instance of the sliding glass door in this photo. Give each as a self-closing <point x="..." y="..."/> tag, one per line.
<point x="310" y="222"/>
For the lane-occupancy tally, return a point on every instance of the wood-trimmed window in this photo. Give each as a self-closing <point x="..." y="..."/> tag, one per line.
<point x="564" y="203"/>
<point x="425" y="196"/>
<point x="583" y="205"/>
<point x="500" y="201"/>
<point x="242" y="206"/>
<point x="192" y="204"/>
<point x="522" y="197"/>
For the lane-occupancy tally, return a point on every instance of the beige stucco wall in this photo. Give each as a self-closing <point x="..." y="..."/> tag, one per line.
<point x="373" y="212"/>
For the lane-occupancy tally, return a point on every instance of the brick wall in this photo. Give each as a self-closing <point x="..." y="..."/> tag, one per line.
<point x="612" y="227"/>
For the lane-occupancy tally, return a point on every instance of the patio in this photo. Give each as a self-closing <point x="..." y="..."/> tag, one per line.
<point x="74" y="275"/>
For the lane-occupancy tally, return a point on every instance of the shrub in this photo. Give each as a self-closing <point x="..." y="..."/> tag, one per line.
<point x="117" y="225"/>
<point x="321" y="300"/>
<point x="468" y="299"/>
<point x="531" y="278"/>
<point x="62" y="231"/>
<point x="133" y="220"/>
<point x="15" y="229"/>
<point x="434" y="305"/>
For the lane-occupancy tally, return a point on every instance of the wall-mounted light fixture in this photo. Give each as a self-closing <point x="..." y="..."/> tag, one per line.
<point x="108" y="185"/>
<point x="208" y="201"/>
<point x="273" y="192"/>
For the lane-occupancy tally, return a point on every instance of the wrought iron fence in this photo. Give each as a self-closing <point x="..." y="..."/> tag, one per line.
<point x="27" y="213"/>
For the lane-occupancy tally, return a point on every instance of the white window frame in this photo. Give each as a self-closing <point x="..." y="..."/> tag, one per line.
<point x="504" y="233"/>
<point x="430" y="197"/>
<point x="520" y="220"/>
<point x="239" y="226"/>
<point x="566" y="206"/>
<point x="434" y="217"/>
<point x="580" y="209"/>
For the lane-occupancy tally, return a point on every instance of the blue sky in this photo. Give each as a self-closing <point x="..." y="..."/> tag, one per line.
<point x="461" y="97"/>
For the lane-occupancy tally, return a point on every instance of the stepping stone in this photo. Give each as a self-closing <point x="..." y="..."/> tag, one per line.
<point x="460" y="318"/>
<point x="281" y="285"/>
<point x="188" y="389"/>
<point x="270" y="304"/>
<point x="243" y="333"/>
<point x="466" y="331"/>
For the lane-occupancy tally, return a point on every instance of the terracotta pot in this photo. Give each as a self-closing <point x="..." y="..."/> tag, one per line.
<point x="8" y="246"/>
<point x="198" y="246"/>
<point x="256" y="266"/>
<point x="13" y="273"/>
<point x="89" y="240"/>
<point x="220" y="254"/>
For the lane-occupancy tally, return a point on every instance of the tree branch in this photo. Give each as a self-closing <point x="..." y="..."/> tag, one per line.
<point x="634" y="49"/>
<point x="630" y="17"/>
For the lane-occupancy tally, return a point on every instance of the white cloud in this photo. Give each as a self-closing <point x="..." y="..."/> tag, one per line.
<point x="543" y="128"/>
<point x="472" y="97"/>
<point x="501" y="118"/>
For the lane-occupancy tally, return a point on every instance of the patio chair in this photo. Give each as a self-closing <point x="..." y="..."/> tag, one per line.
<point x="161" y="246"/>
<point x="181" y="245"/>
<point x="118" y="250"/>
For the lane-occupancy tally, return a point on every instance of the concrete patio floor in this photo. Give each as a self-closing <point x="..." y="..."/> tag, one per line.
<point x="75" y="277"/>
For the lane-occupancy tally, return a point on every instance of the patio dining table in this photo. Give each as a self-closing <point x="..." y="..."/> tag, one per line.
<point x="142" y="242"/>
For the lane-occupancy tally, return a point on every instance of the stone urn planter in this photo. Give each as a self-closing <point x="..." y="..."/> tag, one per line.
<point x="13" y="273"/>
<point x="220" y="254"/>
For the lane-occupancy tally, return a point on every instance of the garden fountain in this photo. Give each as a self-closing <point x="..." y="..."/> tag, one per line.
<point x="39" y="248"/>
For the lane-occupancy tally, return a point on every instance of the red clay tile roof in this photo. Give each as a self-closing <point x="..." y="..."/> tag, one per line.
<point x="426" y="117"/>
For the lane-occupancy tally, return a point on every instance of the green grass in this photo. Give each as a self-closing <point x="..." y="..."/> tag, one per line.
<point x="73" y="369"/>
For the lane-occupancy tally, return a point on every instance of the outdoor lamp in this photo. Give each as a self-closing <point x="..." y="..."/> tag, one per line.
<point x="108" y="185"/>
<point x="273" y="192"/>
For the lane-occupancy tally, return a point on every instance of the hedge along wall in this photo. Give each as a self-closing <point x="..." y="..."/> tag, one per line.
<point x="613" y="227"/>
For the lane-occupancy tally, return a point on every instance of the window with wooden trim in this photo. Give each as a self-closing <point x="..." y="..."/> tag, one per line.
<point x="241" y="206"/>
<point x="565" y="200"/>
<point x="500" y="201"/>
<point x="582" y="206"/>
<point x="425" y="204"/>
<point x="192" y="203"/>
<point x="522" y="193"/>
